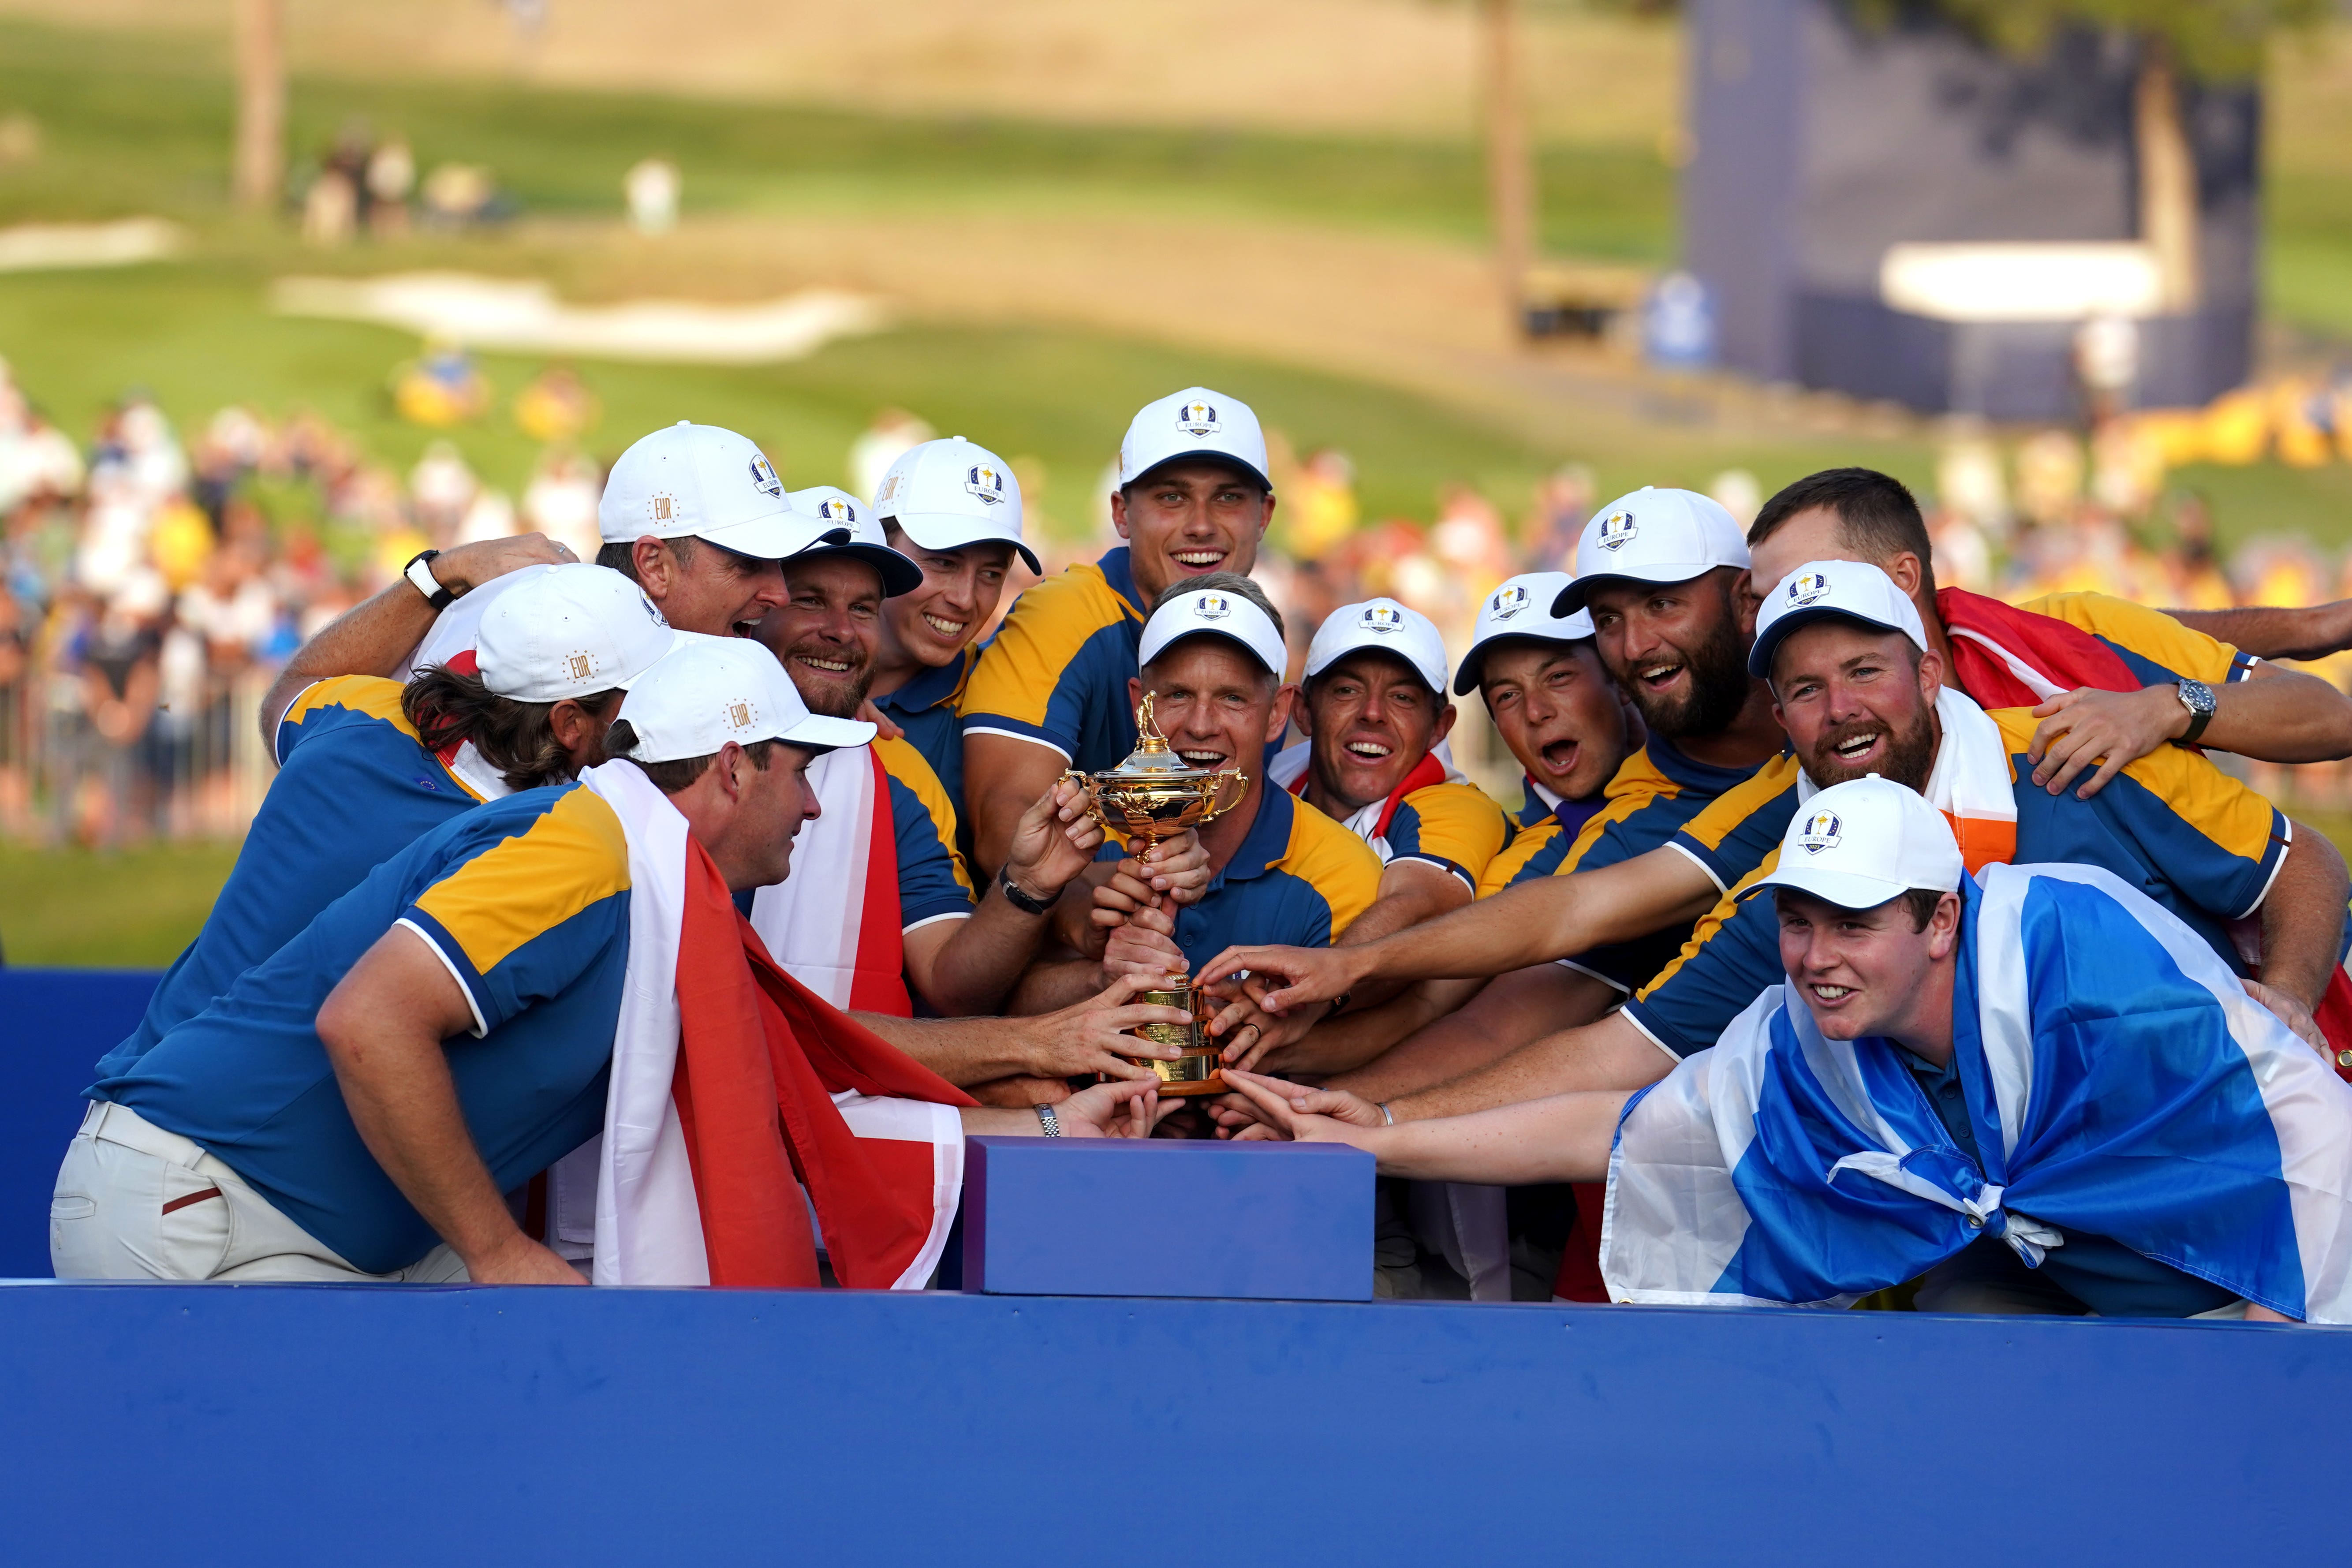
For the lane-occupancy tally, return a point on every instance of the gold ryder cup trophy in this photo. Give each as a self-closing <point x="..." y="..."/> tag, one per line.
<point x="1156" y="794"/>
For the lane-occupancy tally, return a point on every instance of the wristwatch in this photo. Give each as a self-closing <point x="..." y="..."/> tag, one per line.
<point x="1019" y="900"/>
<point x="419" y="572"/>
<point x="1045" y="1119"/>
<point x="2198" y="697"/>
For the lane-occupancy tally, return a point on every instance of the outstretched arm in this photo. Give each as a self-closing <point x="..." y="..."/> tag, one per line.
<point x="2273" y="631"/>
<point x="2275" y="716"/>
<point x="1564" y="1138"/>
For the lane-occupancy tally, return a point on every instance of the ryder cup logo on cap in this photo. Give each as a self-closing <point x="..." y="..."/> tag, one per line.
<point x="1823" y="590"/>
<point x="1864" y="842"/>
<point x="1653" y="536"/>
<point x="950" y="493"/>
<point x="1520" y="608"/>
<point x="699" y="481"/>
<point x="835" y="523"/>
<point x="839" y="507"/>
<point x="568" y="631"/>
<point x="1198" y="424"/>
<point x="1387" y="626"/>
<point x="1820" y="832"/>
<point x="1229" y="616"/>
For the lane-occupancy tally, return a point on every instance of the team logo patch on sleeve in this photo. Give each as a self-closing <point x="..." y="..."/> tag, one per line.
<point x="1198" y="418"/>
<point x="1382" y="618"/>
<point x="1212" y="607"/>
<point x="763" y="476"/>
<point x="1617" y="531"/>
<point x="1805" y="589"/>
<point x="1507" y="602"/>
<point x="986" y="482"/>
<point x="1822" y="830"/>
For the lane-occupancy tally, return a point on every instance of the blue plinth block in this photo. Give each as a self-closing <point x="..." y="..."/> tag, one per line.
<point x="1111" y="1216"/>
<point x="54" y="1025"/>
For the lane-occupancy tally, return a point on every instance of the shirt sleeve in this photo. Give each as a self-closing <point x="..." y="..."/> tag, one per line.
<point x="932" y="881"/>
<point x="522" y="919"/>
<point x="2217" y="843"/>
<point x="2157" y="649"/>
<point x="1455" y="827"/>
<point x="331" y="704"/>
<point x="1057" y="657"/>
<point x="1733" y="956"/>
<point x="1733" y="832"/>
<point x="1343" y="870"/>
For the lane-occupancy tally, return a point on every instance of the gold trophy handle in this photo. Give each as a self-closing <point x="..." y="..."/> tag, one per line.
<point x="1215" y="811"/>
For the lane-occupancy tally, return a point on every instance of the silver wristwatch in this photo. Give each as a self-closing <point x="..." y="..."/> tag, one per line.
<point x="1045" y="1119"/>
<point x="2198" y="697"/>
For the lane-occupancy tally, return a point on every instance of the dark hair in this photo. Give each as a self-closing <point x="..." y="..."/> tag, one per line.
<point x="621" y="556"/>
<point x="679" y="772"/>
<point x="1877" y="515"/>
<point x="516" y="738"/>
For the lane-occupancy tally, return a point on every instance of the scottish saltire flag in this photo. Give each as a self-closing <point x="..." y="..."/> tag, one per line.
<point x="2120" y="1083"/>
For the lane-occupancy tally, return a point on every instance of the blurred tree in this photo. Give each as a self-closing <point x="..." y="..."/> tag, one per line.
<point x="259" y="168"/>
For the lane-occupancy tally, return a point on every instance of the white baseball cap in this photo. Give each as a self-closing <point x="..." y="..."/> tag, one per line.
<point x="568" y="631"/>
<point x="1861" y="843"/>
<point x="1384" y="624"/>
<point x="1855" y="590"/>
<point x="711" y="690"/>
<point x="703" y="482"/>
<point x="1194" y="423"/>
<point x="949" y="493"/>
<point x="848" y="528"/>
<point x="1520" y="607"/>
<point x="1653" y="536"/>
<point x="1215" y="611"/>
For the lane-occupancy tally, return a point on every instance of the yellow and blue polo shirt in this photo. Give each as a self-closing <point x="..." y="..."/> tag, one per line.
<point x="1455" y="827"/>
<point x="2172" y="824"/>
<point x="1725" y="819"/>
<point x="2153" y="646"/>
<point x="1056" y="671"/>
<point x="926" y="709"/>
<point x="933" y="882"/>
<point x="354" y="789"/>
<point x="1298" y="880"/>
<point x="526" y="902"/>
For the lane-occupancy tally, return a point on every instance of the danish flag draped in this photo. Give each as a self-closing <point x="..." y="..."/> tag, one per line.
<point x="735" y="1088"/>
<point x="834" y="923"/>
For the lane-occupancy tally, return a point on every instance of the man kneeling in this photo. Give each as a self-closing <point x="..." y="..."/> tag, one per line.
<point x="2047" y="1063"/>
<point x="329" y="1119"/>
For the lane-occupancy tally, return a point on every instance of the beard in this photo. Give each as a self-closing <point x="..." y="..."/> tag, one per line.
<point x="832" y="696"/>
<point x="1910" y="752"/>
<point x="1716" y="692"/>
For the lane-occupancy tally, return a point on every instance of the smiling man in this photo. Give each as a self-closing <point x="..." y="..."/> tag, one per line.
<point x="1280" y="871"/>
<point x="1867" y="1119"/>
<point x="954" y="509"/>
<point x="1049" y="691"/>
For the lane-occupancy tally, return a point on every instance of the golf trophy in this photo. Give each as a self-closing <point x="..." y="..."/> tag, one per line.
<point x="1156" y="794"/>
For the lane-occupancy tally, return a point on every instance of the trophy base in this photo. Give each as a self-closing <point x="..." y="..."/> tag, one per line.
<point x="1194" y="1072"/>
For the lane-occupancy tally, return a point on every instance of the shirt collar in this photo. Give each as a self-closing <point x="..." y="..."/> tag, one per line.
<point x="932" y="687"/>
<point x="1702" y="778"/>
<point x="1267" y="839"/>
<point x="1539" y="804"/>
<point x="1118" y="570"/>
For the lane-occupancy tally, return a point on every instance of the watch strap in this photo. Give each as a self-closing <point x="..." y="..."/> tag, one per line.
<point x="1045" y="1119"/>
<point x="1019" y="900"/>
<point x="419" y="572"/>
<point x="2199" y="714"/>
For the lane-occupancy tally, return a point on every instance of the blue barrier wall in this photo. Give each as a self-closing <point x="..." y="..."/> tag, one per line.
<point x="265" y="1426"/>
<point x="54" y="1025"/>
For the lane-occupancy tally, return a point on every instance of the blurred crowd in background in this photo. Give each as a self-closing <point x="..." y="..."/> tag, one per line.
<point x="155" y="578"/>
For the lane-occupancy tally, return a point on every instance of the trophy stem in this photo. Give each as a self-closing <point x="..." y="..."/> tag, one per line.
<point x="1196" y="1071"/>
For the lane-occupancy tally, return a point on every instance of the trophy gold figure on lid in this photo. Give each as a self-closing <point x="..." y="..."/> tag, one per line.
<point x="1156" y="794"/>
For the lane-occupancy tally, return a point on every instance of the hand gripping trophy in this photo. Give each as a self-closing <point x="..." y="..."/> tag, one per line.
<point x="1156" y="794"/>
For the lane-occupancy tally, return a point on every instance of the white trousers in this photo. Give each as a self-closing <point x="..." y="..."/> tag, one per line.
<point x="134" y="1202"/>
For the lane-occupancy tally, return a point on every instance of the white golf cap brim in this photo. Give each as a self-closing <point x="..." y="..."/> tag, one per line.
<point x="1210" y="612"/>
<point x="1858" y="843"/>
<point x="1832" y="590"/>
<point x="1520" y="607"/>
<point x="1195" y="424"/>
<point x="845" y="526"/>
<point x="711" y="690"/>
<point x="1846" y="890"/>
<point x="945" y="531"/>
<point x="1381" y="626"/>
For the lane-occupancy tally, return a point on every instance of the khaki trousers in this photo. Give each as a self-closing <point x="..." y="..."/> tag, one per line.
<point x="134" y="1202"/>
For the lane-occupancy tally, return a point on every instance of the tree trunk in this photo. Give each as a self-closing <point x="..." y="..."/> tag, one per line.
<point x="2168" y="180"/>
<point x="1510" y="172"/>
<point x="260" y="163"/>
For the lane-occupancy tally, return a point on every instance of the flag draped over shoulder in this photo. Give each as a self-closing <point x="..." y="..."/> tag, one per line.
<point x="834" y="923"/>
<point x="1970" y="783"/>
<point x="734" y="1088"/>
<point x="2120" y="1084"/>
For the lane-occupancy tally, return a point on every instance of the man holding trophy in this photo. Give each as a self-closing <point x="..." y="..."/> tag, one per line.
<point x="1210" y="699"/>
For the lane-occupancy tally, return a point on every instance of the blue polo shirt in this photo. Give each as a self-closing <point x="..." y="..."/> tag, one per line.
<point x="1299" y="879"/>
<point x="2172" y="824"/>
<point x="1056" y="671"/>
<point x="526" y="901"/>
<point x="354" y="789"/>
<point x="926" y="709"/>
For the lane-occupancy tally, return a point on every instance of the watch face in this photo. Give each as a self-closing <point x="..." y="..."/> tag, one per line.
<point x="2197" y="697"/>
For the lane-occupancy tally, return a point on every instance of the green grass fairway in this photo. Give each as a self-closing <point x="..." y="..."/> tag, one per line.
<point x="136" y="908"/>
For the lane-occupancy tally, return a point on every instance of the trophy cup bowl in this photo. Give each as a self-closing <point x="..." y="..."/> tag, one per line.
<point x="1156" y="794"/>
